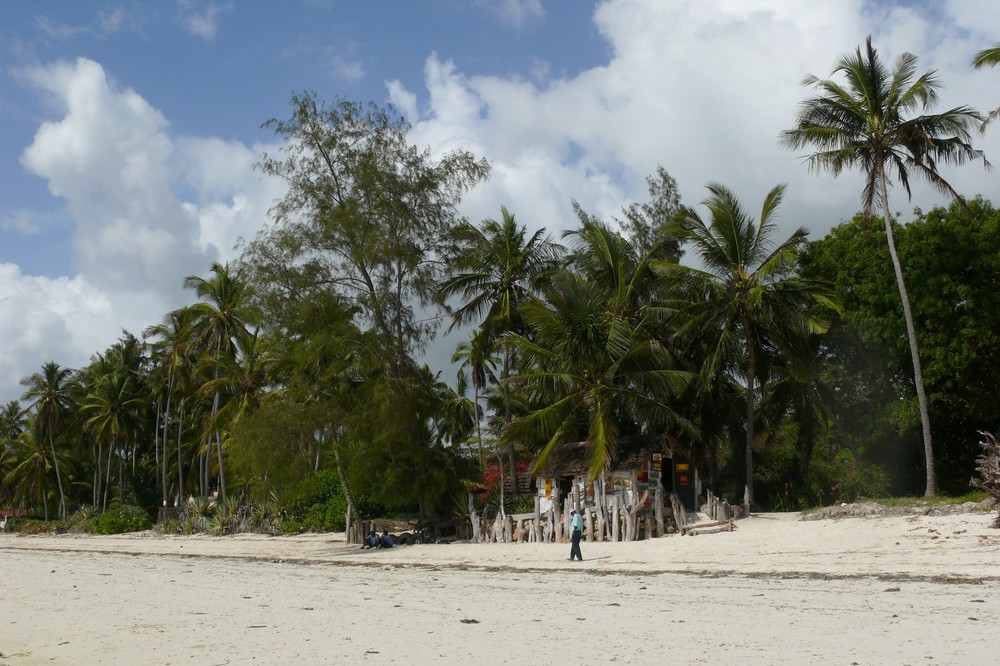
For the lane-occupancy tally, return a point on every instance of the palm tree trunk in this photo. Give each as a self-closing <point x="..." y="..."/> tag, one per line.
<point x="751" y="380"/>
<point x="180" y="459"/>
<point x="55" y="463"/>
<point x="107" y="473"/>
<point x="166" y="430"/>
<point x="96" y="490"/>
<point x="479" y="426"/>
<point x="508" y="416"/>
<point x="911" y="335"/>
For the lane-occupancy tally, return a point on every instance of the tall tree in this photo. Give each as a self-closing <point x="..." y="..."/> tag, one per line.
<point x="475" y="354"/>
<point x="590" y="373"/>
<point x="367" y="213"/>
<point x="498" y="267"/>
<point x="865" y="124"/>
<point x="646" y="224"/>
<point x="48" y="392"/>
<point x="171" y="349"/>
<point x="113" y="409"/>
<point x="218" y="324"/>
<point x="747" y="299"/>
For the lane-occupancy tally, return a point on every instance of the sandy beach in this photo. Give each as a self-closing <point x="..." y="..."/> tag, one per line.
<point x="918" y="589"/>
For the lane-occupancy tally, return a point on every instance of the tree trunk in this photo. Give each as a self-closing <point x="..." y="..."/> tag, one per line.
<point x="911" y="335"/>
<point x="180" y="460"/>
<point x="751" y="380"/>
<point x="55" y="463"/>
<point x="508" y="416"/>
<point x="351" y="516"/>
<point x="166" y="432"/>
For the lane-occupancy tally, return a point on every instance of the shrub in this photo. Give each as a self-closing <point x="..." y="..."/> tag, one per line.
<point x="129" y="518"/>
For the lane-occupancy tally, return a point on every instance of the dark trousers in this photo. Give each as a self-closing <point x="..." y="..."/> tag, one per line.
<point x="574" y="551"/>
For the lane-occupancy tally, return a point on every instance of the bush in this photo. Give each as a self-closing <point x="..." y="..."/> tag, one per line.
<point x="320" y="506"/>
<point x="124" y="519"/>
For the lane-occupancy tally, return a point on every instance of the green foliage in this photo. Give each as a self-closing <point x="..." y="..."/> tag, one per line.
<point x="952" y="257"/>
<point x="273" y="449"/>
<point x="129" y="518"/>
<point x="319" y="505"/>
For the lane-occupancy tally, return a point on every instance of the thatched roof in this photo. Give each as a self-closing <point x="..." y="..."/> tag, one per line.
<point x="573" y="459"/>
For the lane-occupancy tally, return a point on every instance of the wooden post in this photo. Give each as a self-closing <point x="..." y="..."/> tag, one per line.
<point x="474" y="519"/>
<point x="600" y="501"/>
<point x="658" y="509"/>
<point x="588" y="520"/>
<point x="555" y="520"/>
<point x="536" y="527"/>
<point x="508" y="527"/>
<point x="616" y="503"/>
<point x="680" y="515"/>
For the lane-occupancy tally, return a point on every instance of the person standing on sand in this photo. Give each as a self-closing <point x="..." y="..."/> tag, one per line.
<point x="577" y="532"/>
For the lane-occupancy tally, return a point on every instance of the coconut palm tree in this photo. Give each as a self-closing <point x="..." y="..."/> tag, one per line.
<point x="49" y="394"/>
<point x="498" y="268"/>
<point x="217" y="324"/>
<point x="746" y="299"/>
<point x="868" y="123"/>
<point x="988" y="58"/>
<point x="29" y="468"/>
<point x="11" y="422"/>
<point x="476" y="355"/>
<point x="590" y="373"/>
<point x="113" y="409"/>
<point x="171" y="351"/>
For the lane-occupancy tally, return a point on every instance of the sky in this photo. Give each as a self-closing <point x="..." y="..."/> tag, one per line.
<point x="129" y="130"/>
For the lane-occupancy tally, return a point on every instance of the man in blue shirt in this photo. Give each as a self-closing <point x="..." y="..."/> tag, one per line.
<point x="577" y="532"/>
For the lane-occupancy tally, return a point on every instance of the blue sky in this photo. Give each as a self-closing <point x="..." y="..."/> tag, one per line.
<point x="130" y="128"/>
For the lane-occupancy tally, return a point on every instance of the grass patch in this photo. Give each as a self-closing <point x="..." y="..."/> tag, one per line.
<point x="937" y="500"/>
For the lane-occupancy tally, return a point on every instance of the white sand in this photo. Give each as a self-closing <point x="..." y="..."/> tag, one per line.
<point x="776" y="590"/>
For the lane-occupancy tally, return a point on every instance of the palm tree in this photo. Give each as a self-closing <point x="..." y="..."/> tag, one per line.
<point x="112" y="409"/>
<point x="746" y="300"/>
<point x="590" y="373"/>
<point x="476" y="355"/>
<point x="28" y="477"/>
<point x="864" y="124"/>
<point x="49" y="394"/>
<point x="171" y="352"/>
<point x="988" y="57"/>
<point x="242" y="378"/>
<point x="217" y="324"/>
<point x="498" y="268"/>
<point x="11" y="422"/>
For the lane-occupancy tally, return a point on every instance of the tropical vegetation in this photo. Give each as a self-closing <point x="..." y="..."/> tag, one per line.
<point x="292" y="392"/>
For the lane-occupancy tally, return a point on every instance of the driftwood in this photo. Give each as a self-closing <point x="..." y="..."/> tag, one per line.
<point x="658" y="509"/>
<point x="709" y="528"/>
<point x="988" y="468"/>
<point x="680" y="513"/>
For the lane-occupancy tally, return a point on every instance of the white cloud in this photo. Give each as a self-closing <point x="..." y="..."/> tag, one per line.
<point x="702" y="88"/>
<point x="149" y="209"/>
<point x="205" y="24"/>
<point x="22" y="221"/>
<point x="516" y="13"/>
<point x="42" y="319"/>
